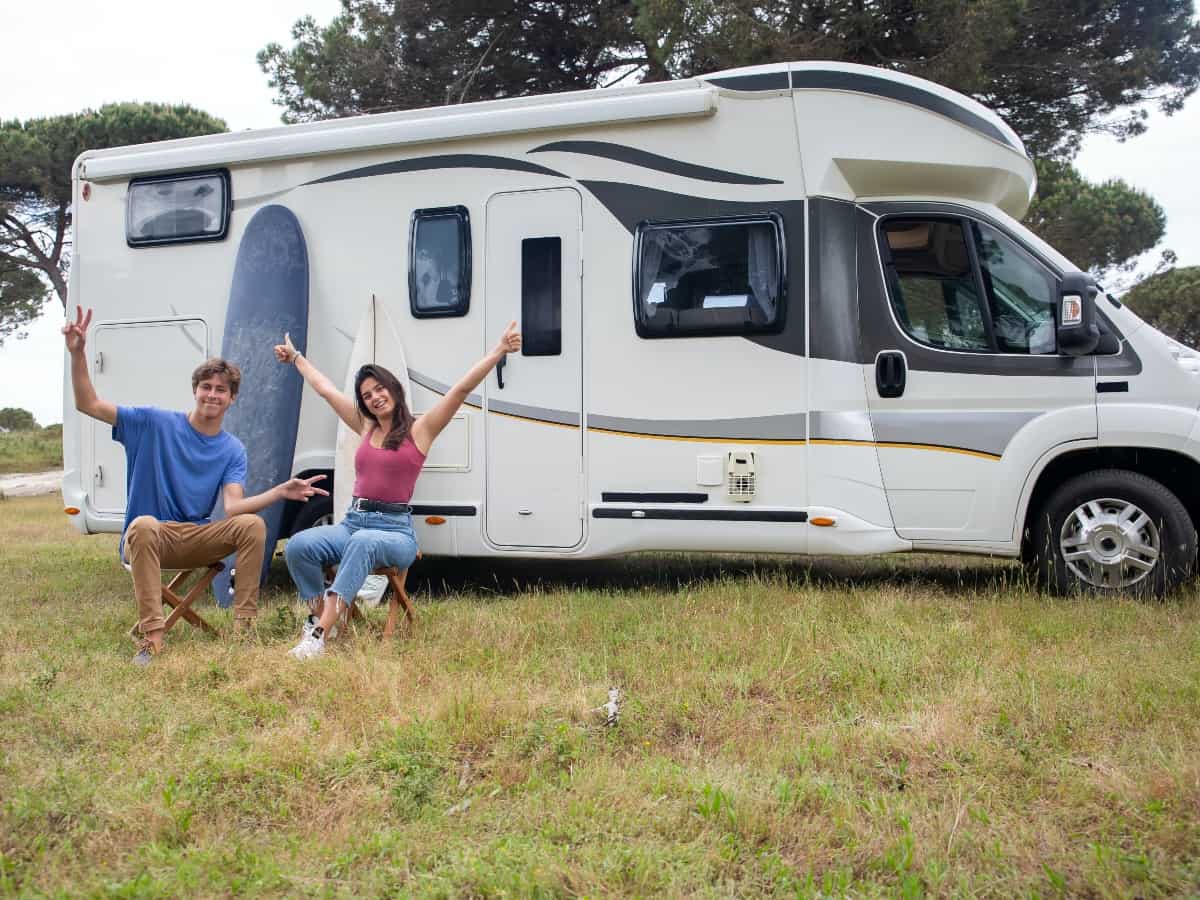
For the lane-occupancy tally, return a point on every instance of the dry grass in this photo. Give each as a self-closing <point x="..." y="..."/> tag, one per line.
<point x="38" y="450"/>
<point x="891" y="726"/>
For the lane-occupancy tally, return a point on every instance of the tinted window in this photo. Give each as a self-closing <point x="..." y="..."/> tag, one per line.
<point x="1020" y="294"/>
<point x="439" y="270"/>
<point x="177" y="209"/>
<point x="710" y="277"/>
<point x="541" y="296"/>
<point x="932" y="284"/>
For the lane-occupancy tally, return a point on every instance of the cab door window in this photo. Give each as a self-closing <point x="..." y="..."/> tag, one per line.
<point x="1020" y="293"/>
<point x="932" y="285"/>
<point x="958" y="284"/>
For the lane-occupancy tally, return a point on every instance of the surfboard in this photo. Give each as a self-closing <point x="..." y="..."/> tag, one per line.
<point x="267" y="297"/>
<point x="377" y="341"/>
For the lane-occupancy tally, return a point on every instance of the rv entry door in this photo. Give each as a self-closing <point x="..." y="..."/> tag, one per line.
<point x="534" y="401"/>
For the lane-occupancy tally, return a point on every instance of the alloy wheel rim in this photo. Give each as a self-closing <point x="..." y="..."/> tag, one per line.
<point x="1109" y="543"/>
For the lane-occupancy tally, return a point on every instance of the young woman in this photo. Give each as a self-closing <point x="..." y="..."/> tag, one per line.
<point x="377" y="530"/>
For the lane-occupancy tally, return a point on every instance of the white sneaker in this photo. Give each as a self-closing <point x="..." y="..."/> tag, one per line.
<point x="309" y="624"/>
<point x="311" y="645"/>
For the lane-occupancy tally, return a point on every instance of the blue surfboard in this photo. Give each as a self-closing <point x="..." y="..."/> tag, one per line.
<point x="268" y="296"/>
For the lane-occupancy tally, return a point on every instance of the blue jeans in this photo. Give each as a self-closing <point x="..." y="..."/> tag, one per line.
<point x="359" y="543"/>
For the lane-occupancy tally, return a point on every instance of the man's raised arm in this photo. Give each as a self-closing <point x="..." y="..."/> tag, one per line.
<point x="86" y="399"/>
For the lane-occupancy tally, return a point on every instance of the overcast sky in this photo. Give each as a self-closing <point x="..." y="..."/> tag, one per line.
<point x="73" y="55"/>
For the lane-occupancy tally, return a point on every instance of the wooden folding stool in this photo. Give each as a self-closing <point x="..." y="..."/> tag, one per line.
<point x="181" y="607"/>
<point x="396" y="580"/>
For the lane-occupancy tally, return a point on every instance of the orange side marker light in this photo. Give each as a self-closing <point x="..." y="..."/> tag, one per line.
<point x="71" y="511"/>
<point x="823" y="521"/>
<point x="434" y="520"/>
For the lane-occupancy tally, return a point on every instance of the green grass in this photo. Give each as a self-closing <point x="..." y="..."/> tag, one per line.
<point x="31" y="451"/>
<point x="899" y="726"/>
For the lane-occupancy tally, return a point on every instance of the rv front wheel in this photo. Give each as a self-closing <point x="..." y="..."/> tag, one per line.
<point x="317" y="511"/>
<point x="1113" y="531"/>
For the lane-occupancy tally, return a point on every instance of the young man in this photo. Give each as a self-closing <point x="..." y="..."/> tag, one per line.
<point x="176" y="463"/>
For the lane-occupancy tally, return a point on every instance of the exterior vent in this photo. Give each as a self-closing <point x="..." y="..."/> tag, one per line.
<point x="740" y="479"/>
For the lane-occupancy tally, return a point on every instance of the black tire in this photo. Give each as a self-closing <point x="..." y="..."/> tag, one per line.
<point x="317" y="511"/>
<point x="1112" y="519"/>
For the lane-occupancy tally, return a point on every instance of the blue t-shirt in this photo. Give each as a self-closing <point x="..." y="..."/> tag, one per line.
<point x="174" y="472"/>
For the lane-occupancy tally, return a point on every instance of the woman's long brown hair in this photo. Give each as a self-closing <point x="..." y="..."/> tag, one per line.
<point x="402" y="418"/>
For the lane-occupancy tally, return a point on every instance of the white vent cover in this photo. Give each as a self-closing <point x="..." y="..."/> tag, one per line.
<point x="740" y="475"/>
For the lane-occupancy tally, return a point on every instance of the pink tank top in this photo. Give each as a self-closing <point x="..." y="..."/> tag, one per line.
<point x="387" y="475"/>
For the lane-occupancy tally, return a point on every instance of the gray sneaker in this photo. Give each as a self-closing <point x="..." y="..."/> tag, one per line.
<point x="145" y="654"/>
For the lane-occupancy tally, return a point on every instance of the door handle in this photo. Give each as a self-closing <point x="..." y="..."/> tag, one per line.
<point x="500" y="372"/>
<point x="891" y="373"/>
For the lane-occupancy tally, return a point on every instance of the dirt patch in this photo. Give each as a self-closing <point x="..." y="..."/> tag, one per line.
<point x="31" y="484"/>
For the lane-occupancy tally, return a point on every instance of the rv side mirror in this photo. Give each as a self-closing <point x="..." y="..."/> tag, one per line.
<point x="1078" y="333"/>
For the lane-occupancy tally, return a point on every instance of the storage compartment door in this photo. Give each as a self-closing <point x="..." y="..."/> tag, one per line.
<point x="138" y="364"/>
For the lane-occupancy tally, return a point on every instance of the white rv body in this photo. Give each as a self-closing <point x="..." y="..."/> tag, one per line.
<point x="618" y="442"/>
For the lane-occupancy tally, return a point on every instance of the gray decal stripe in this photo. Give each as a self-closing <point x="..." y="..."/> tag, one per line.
<point x="438" y="388"/>
<point x="840" y="426"/>
<point x="448" y="161"/>
<point x="905" y="93"/>
<point x="635" y="157"/>
<point x="982" y="432"/>
<point x="790" y="427"/>
<point x="768" y="81"/>
<point x="537" y="413"/>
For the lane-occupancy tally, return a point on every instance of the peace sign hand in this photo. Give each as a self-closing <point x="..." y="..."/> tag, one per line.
<point x="302" y="488"/>
<point x="75" y="333"/>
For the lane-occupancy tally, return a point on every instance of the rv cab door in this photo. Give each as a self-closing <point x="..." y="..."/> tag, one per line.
<point x="967" y="388"/>
<point x="534" y="401"/>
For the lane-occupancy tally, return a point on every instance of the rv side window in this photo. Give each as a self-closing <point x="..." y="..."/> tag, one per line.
<point x="439" y="267"/>
<point x="541" y="296"/>
<point x="176" y="209"/>
<point x="709" y="277"/>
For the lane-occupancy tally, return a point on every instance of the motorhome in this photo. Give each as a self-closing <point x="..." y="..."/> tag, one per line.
<point x="783" y="309"/>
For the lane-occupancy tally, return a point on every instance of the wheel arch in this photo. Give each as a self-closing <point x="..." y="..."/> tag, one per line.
<point x="1177" y="472"/>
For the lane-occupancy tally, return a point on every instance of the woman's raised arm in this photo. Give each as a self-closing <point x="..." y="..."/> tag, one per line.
<point x="426" y="429"/>
<point x="345" y="407"/>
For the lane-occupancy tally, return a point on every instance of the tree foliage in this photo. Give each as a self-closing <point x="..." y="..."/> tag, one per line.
<point x="1054" y="70"/>
<point x="405" y="54"/>
<point x="21" y="296"/>
<point x="1170" y="301"/>
<point x="16" y="419"/>
<point x="36" y="158"/>
<point x="1099" y="227"/>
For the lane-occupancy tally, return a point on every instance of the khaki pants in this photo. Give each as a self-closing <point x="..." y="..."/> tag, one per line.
<point x="150" y="545"/>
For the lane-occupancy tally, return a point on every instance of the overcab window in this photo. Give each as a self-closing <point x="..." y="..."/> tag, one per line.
<point x="176" y="209"/>
<point x="439" y="262"/>
<point x="709" y="277"/>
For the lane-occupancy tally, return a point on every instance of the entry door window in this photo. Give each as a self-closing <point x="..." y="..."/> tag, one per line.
<point x="541" y="296"/>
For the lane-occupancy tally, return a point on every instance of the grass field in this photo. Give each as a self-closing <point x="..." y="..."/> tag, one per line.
<point x="31" y="451"/>
<point x="901" y="726"/>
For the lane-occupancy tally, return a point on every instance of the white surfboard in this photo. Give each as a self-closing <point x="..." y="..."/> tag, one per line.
<point x="377" y="341"/>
